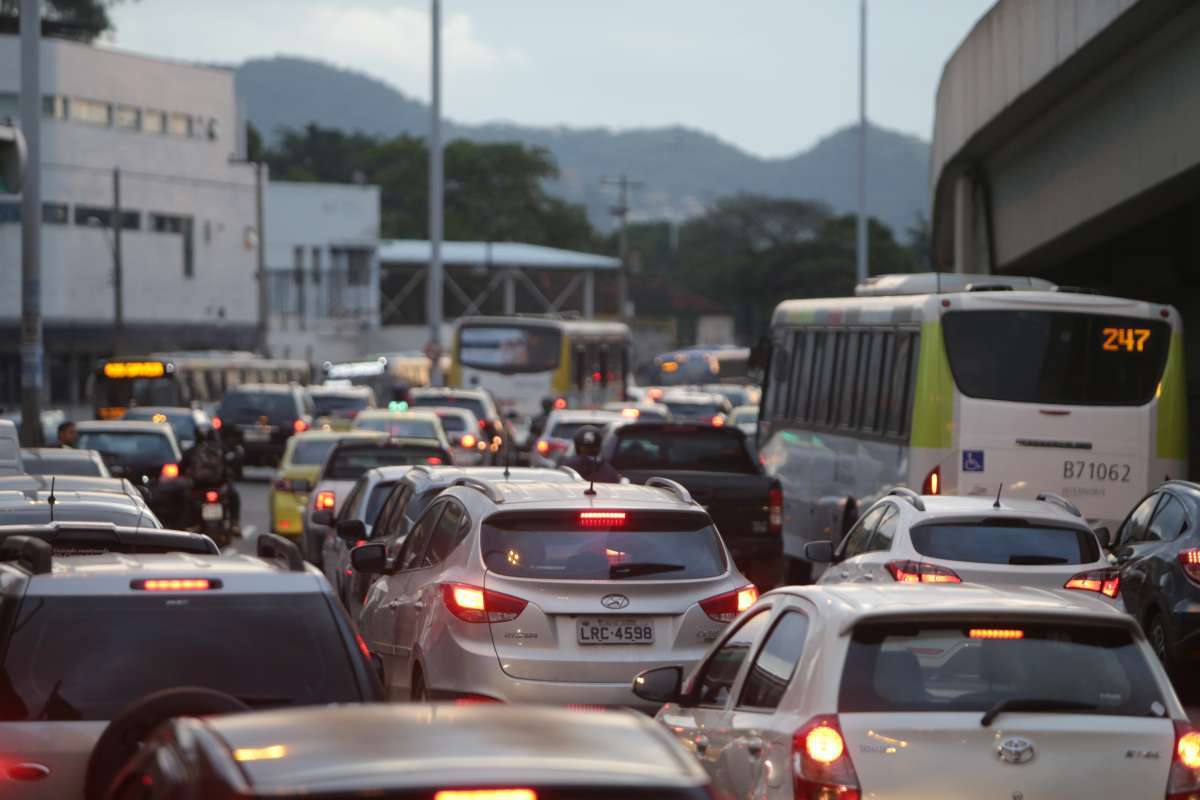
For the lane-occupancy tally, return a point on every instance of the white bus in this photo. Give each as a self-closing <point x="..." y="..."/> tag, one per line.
<point x="524" y="360"/>
<point x="948" y="388"/>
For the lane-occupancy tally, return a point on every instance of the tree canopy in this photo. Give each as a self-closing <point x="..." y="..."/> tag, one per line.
<point x="83" y="20"/>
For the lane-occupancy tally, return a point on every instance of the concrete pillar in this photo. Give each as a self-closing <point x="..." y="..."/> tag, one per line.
<point x="510" y="293"/>
<point x="964" y="224"/>
<point x="589" y="294"/>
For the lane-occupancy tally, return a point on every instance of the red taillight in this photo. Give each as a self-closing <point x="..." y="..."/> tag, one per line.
<point x="169" y="471"/>
<point x="726" y="607"/>
<point x="1105" y="581"/>
<point x="483" y="424"/>
<point x="933" y="482"/>
<point x="486" y="794"/>
<point x="1190" y="561"/>
<point x="543" y="447"/>
<point x="775" y="511"/>
<point x="362" y="646"/>
<point x="718" y="421"/>
<point x="601" y="519"/>
<point x="216" y="423"/>
<point x="1183" y="782"/>
<point x="560" y="403"/>
<point x="433" y="461"/>
<point x="299" y="426"/>
<point x="821" y="765"/>
<point x="325" y="501"/>
<point x="474" y="700"/>
<point x="473" y="604"/>
<point x="467" y="441"/>
<point x="211" y="496"/>
<point x="920" y="572"/>
<point x="175" y="585"/>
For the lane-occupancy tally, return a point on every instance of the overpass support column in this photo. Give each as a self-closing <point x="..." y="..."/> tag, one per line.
<point x="510" y="294"/>
<point x="964" y="223"/>
<point x="589" y="294"/>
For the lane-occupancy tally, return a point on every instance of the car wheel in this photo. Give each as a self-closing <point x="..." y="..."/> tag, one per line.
<point x="417" y="691"/>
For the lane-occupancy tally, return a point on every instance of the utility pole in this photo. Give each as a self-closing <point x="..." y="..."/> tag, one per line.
<point x="264" y="310"/>
<point x="31" y="225"/>
<point x="118" y="269"/>
<point x="433" y="301"/>
<point x="861" y="245"/>
<point x="621" y="212"/>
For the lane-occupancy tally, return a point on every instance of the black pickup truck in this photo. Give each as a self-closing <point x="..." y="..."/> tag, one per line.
<point x="716" y="466"/>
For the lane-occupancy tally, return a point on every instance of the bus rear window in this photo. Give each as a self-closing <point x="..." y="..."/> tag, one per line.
<point x="1057" y="357"/>
<point x="999" y="543"/>
<point x="510" y="348"/>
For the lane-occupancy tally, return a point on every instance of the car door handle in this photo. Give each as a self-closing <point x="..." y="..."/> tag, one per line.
<point x="701" y="743"/>
<point x="754" y="746"/>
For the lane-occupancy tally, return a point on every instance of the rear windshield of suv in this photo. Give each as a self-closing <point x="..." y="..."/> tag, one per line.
<point x="335" y="403"/>
<point x="349" y="463"/>
<point x="922" y="666"/>
<point x="37" y="465"/>
<point x="249" y="406"/>
<point x="689" y="409"/>
<point x="472" y="404"/>
<point x="453" y="423"/>
<point x="684" y="448"/>
<point x="412" y="427"/>
<point x="998" y="543"/>
<point x="128" y="447"/>
<point x="641" y="545"/>
<point x="88" y="658"/>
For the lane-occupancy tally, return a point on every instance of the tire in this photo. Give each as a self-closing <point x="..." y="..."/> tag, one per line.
<point x="417" y="692"/>
<point x="127" y="731"/>
<point x="797" y="572"/>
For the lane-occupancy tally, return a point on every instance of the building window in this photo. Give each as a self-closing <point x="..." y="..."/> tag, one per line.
<point x="91" y="112"/>
<point x="179" y="124"/>
<point x="128" y="118"/>
<point x="189" y="254"/>
<point x="55" y="106"/>
<point x="175" y="223"/>
<point x="316" y="264"/>
<point x="10" y="211"/>
<point x="10" y="105"/>
<point x="85" y="214"/>
<point x="166" y="223"/>
<point x="55" y="213"/>
<point x="358" y="266"/>
<point x="154" y="121"/>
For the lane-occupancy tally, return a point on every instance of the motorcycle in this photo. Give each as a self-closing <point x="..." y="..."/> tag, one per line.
<point x="217" y="519"/>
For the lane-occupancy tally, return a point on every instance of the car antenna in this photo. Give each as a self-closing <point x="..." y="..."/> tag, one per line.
<point x="507" y="455"/>
<point x="998" y="491"/>
<point x="51" y="500"/>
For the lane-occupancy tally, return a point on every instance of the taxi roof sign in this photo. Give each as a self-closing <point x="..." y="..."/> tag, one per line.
<point x="134" y="369"/>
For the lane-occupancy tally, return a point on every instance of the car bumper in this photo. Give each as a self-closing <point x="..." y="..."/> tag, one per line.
<point x="287" y="512"/>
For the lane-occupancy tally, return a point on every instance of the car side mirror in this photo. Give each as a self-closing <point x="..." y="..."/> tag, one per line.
<point x="323" y="517"/>
<point x="352" y="531"/>
<point x="1105" y="536"/>
<point x="370" y="558"/>
<point x="819" y="552"/>
<point x="659" y="685"/>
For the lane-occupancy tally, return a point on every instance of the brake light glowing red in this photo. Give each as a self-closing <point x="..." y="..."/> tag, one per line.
<point x="169" y="471"/>
<point x="821" y="765"/>
<point x="746" y="597"/>
<point x="560" y="403"/>
<point x="299" y="426"/>
<point x="483" y="424"/>
<point x="473" y="604"/>
<point x="824" y="744"/>
<point x="1190" y="561"/>
<point x="467" y="441"/>
<point x="474" y="700"/>
<point x="325" y="501"/>
<point x="362" y="646"/>
<point x="216" y="423"/>
<point x="920" y="572"/>
<point x="775" y="511"/>
<point x="211" y="496"/>
<point x="486" y="794"/>
<point x="933" y="482"/>
<point x="543" y="447"/>
<point x="718" y="421"/>
<point x="601" y="519"/>
<point x="1183" y="781"/>
<point x="1187" y="748"/>
<point x="1104" y="581"/>
<point x="996" y="633"/>
<point x="174" y="585"/>
<point x="433" y="461"/>
<point x="725" y="607"/>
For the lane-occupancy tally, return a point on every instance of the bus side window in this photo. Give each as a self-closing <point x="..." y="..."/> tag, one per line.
<point x="849" y="380"/>
<point x="835" y="377"/>
<point x="870" y="394"/>
<point x="885" y="380"/>
<point x="806" y="342"/>
<point x="775" y="380"/>
<point x="812" y="386"/>
<point x="901" y="391"/>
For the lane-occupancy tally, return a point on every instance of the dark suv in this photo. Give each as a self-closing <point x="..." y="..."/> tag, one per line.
<point x="262" y="417"/>
<point x="1158" y="554"/>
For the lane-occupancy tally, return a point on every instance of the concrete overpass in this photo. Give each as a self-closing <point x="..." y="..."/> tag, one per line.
<point x="1067" y="146"/>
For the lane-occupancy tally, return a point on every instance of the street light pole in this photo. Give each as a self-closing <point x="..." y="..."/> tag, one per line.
<point x="118" y="269"/>
<point x="861" y="231"/>
<point x="434" y="285"/>
<point x="31" y="225"/>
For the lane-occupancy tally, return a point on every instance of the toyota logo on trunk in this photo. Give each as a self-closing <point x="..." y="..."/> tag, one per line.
<point x="1015" y="750"/>
<point x="614" y="602"/>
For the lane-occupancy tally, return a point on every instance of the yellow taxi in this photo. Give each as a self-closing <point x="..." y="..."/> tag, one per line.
<point x="298" y="469"/>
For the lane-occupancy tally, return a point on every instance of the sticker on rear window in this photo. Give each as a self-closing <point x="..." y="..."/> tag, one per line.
<point x="972" y="461"/>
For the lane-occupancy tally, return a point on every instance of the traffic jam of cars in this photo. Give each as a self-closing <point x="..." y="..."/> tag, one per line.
<point x="857" y="560"/>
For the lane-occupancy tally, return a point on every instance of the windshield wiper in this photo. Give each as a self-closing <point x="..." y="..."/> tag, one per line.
<point x="1033" y="704"/>
<point x="642" y="568"/>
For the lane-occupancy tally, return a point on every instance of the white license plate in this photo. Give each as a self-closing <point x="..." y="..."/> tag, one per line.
<point x="211" y="512"/>
<point x="614" y="631"/>
<point x="256" y="435"/>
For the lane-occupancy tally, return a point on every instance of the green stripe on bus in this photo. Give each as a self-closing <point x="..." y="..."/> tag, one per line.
<point x="1172" y="404"/>
<point x="933" y="400"/>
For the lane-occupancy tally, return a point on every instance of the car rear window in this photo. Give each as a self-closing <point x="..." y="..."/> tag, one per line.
<point x="1000" y="543"/>
<point x="334" y="403"/>
<point x="88" y="658"/>
<point x="36" y="465"/>
<point x="472" y="404"/>
<point x="641" y="545"/>
<point x="349" y="463"/>
<point x="249" y="406"/>
<point x="312" y="451"/>
<point x="901" y="666"/>
<point x="567" y="430"/>
<point x="183" y="424"/>
<point x="679" y="408"/>
<point x="453" y="423"/>
<point x="128" y="447"/>
<point x="683" y="448"/>
<point x="411" y="427"/>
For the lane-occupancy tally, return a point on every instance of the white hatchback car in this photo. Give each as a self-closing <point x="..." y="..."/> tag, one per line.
<point x="893" y="692"/>
<point x="910" y="538"/>
<point x="542" y="592"/>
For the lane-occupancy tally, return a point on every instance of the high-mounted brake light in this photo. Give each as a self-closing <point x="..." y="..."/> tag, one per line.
<point x="996" y="633"/>
<point x="473" y="604"/>
<point x="467" y="441"/>
<point x="486" y="794"/>
<point x="775" y="511"/>
<point x="601" y="519"/>
<point x="325" y="501"/>
<point x="1104" y="581"/>
<point x="169" y="471"/>
<point x="175" y="585"/>
<point x="821" y="765"/>
<point x="211" y="497"/>
<point x="631" y="413"/>
<point x="1183" y="782"/>
<point x="1190" y="561"/>
<point x="933" y="482"/>
<point x="921" y="572"/>
<point x="725" y="607"/>
<point x="299" y="426"/>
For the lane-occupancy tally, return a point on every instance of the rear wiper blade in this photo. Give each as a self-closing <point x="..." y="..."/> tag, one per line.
<point x="642" y="568"/>
<point x="1033" y="704"/>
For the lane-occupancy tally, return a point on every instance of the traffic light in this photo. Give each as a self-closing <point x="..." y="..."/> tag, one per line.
<point x="12" y="159"/>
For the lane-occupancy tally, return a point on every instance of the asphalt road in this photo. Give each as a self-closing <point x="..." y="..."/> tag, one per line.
<point x="255" y="513"/>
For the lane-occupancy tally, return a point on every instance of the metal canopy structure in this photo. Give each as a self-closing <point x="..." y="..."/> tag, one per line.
<point x="505" y="266"/>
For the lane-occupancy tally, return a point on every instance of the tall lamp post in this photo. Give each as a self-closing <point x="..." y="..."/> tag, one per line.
<point x="861" y="228"/>
<point x="117" y="283"/>
<point x="433" y="301"/>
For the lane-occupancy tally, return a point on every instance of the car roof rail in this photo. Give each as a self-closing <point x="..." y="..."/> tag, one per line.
<point x="272" y="547"/>
<point x="674" y="487"/>
<point x="1061" y="502"/>
<point x="428" y="470"/>
<point x="34" y="554"/>
<point x="491" y="492"/>
<point x="569" y="471"/>
<point x="909" y="495"/>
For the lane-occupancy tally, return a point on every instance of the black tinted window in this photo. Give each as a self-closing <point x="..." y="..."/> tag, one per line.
<point x="129" y="447"/>
<point x="721" y="669"/>
<point x="1056" y="356"/>
<point x="334" y="403"/>
<point x="446" y="535"/>
<point x="772" y="669"/>
<point x="379" y="493"/>
<point x="1169" y="520"/>
<point x="997" y="543"/>
<point x="88" y="658"/>
<point x="415" y="543"/>
<point x="312" y="451"/>
<point x="249" y="406"/>
<point x="704" y="449"/>
<point x="472" y="404"/>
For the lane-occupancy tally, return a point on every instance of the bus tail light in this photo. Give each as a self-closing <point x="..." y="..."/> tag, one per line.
<point x="325" y="501"/>
<point x="920" y="572"/>
<point x="473" y="604"/>
<point x="821" y="765"/>
<point x="1190" y="561"/>
<point x="1105" y="581"/>
<point x="775" y="510"/>
<point x="1183" y="782"/>
<point x="726" y="607"/>
<point x="169" y="472"/>
<point x="211" y="496"/>
<point x="933" y="482"/>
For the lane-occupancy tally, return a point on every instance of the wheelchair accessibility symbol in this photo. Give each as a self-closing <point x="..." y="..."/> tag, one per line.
<point x="972" y="461"/>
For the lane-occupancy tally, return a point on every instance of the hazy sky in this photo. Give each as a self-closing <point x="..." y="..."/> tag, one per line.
<point x="771" y="76"/>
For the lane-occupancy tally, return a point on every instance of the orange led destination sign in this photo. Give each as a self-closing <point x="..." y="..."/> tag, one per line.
<point x="1131" y="340"/>
<point x="134" y="369"/>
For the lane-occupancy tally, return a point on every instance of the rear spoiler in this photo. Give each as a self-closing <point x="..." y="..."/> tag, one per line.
<point x="1072" y="611"/>
<point x="90" y="538"/>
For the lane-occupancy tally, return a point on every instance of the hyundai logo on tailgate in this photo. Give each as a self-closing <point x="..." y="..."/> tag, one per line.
<point x="614" y="602"/>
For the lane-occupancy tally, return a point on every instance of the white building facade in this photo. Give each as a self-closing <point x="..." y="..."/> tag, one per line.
<point x="188" y="236"/>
